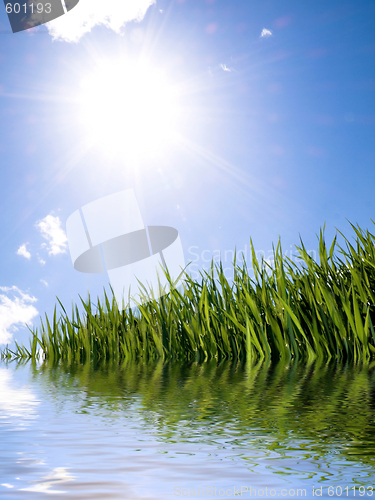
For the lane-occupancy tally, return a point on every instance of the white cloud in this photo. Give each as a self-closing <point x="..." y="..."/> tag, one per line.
<point x="23" y="251"/>
<point x="87" y="14"/>
<point x="15" y="309"/>
<point x="224" y="67"/>
<point x="265" y="33"/>
<point x="44" y="282"/>
<point x="51" y="230"/>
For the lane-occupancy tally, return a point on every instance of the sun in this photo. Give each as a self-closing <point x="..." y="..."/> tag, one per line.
<point x="128" y="109"/>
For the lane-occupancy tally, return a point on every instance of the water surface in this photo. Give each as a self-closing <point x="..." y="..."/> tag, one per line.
<point x="154" y="431"/>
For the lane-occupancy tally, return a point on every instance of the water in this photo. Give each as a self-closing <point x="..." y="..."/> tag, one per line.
<point x="172" y="431"/>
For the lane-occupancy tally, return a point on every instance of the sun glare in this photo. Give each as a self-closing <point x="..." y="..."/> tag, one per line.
<point x="128" y="109"/>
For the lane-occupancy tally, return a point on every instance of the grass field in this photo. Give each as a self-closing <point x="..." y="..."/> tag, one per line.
<point x="316" y="309"/>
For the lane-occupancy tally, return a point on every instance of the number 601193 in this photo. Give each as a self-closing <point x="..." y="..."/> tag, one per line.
<point x="38" y="8"/>
<point x="27" y="14"/>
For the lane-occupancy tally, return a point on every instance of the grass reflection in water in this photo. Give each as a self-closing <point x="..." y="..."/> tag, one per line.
<point x="321" y="409"/>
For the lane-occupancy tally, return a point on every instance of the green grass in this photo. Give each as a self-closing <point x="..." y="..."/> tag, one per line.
<point x="318" y="309"/>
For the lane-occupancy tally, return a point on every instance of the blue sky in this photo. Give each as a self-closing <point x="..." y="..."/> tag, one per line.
<point x="272" y="134"/>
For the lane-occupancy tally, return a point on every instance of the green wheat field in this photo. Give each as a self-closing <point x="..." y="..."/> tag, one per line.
<point x="313" y="309"/>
